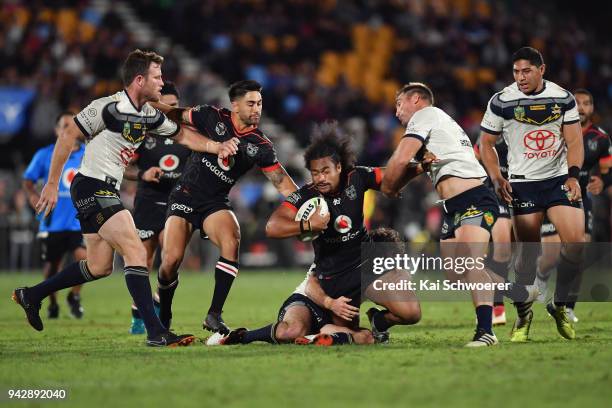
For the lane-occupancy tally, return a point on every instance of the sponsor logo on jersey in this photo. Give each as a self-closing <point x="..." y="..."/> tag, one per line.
<point x="217" y="171"/>
<point x="68" y="175"/>
<point x="220" y="128"/>
<point x="85" y="203"/>
<point x="343" y="224"/>
<point x="226" y="163"/>
<point x="181" y="207"/>
<point x="351" y="193"/>
<point x="251" y="150"/>
<point x="92" y="112"/>
<point x="541" y="142"/>
<point x="150" y="143"/>
<point x="343" y="238"/>
<point x="537" y="107"/>
<point x="169" y="162"/>
<point x="105" y="194"/>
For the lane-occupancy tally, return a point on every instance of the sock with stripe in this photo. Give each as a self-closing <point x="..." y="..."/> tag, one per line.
<point x="225" y="273"/>
<point x="523" y="308"/>
<point x="166" y="294"/>
<point x="484" y="316"/>
<point x="74" y="274"/>
<point x="137" y="281"/>
<point x="266" y="334"/>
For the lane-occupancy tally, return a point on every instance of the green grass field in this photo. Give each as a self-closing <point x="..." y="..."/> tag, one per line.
<point x="99" y="364"/>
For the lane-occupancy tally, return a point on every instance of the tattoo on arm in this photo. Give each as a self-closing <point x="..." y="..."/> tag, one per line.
<point x="276" y="176"/>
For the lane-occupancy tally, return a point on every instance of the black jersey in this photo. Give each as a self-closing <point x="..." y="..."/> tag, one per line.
<point x="338" y="248"/>
<point x="596" y="148"/>
<point x="206" y="176"/>
<point x="166" y="154"/>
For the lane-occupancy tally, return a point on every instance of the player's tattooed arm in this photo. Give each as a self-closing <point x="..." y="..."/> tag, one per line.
<point x="396" y="177"/>
<point x="341" y="306"/>
<point x="281" y="180"/>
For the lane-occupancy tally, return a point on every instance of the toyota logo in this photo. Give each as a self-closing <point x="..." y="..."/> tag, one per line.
<point x="539" y="140"/>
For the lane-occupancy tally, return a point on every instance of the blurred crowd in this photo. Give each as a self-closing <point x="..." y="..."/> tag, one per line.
<point x="317" y="60"/>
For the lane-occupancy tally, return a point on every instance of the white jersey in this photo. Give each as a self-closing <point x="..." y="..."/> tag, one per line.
<point x="531" y="126"/>
<point x="114" y="129"/>
<point x="442" y="136"/>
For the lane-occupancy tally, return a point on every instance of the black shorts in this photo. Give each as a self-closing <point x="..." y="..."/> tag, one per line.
<point x="476" y="206"/>
<point x="549" y="229"/>
<point x="184" y="205"/>
<point x="346" y="284"/>
<point x="536" y="196"/>
<point x="149" y="216"/>
<point x="95" y="201"/>
<point x="55" y="244"/>
<point x="319" y="317"/>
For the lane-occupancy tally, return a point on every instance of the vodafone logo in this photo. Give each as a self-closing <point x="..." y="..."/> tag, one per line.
<point x="169" y="162"/>
<point x="226" y="163"/>
<point x="539" y="140"/>
<point x="68" y="175"/>
<point x="343" y="224"/>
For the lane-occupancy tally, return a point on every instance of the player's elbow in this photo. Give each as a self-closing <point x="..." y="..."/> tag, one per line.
<point x="272" y="229"/>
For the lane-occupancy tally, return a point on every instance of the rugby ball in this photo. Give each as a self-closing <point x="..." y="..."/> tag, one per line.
<point x="306" y="211"/>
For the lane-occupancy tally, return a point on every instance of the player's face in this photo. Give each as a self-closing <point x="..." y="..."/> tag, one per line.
<point x="405" y="107"/>
<point x="585" y="107"/>
<point x="528" y="77"/>
<point x="153" y="83"/>
<point x="248" y="108"/>
<point x="169" y="99"/>
<point x="325" y="175"/>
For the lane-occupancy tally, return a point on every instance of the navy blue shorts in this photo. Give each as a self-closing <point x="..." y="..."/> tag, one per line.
<point x="95" y="201"/>
<point x="536" y="196"/>
<point x="476" y="206"/>
<point x="319" y="317"/>
<point x="549" y="229"/>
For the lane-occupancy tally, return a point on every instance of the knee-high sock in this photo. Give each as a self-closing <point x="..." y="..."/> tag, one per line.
<point x="137" y="281"/>
<point x="568" y="281"/>
<point x="266" y="333"/>
<point x="76" y="273"/>
<point x="225" y="273"/>
<point x="166" y="294"/>
<point x="501" y="269"/>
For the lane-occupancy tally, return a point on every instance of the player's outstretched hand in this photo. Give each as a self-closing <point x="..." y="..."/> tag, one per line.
<point x="342" y="308"/>
<point x="595" y="186"/>
<point x="503" y="189"/>
<point x="572" y="187"/>
<point x="228" y="148"/>
<point x="48" y="199"/>
<point x="152" y="174"/>
<point x="319" y="222"/>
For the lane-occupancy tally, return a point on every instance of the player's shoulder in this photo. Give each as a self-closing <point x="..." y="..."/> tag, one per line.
<point x="556" y="91"/>
<point x="509" y="93"/>
<point x="106" y="100"/>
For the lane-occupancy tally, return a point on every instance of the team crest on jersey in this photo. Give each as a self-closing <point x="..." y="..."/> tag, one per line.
<point x="220" y="128"/>
<point x="252" y="150"/>
<point x="343" y="224"/>
<point x="139" y="133"/>
<point x="226" y="163"/>
<point x="592" y="144"/>
<point x="351" y="193"/>
<point x="556" y="110"/>
<point x="169" y="162"/>
<point x="489" y="219"/>
<point x="519" y="113"/>
<point x="150" y="143"/>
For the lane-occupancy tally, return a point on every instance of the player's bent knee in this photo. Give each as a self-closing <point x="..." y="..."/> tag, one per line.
<point x="289" y="332"/>
<point x="100" y="271"/>
<point x="409" y="313"/>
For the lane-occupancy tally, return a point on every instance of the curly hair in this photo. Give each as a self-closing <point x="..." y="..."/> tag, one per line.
<point x="328" y="140"/>
<point x="390" y="236"/>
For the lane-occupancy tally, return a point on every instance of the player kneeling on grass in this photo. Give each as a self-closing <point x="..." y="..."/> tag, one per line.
<point x="335" y="282"/>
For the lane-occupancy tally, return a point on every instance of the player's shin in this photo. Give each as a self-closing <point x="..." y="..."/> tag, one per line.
<point x="166" y="294"/>
<point x="76" y="273"/>
<point x="137" y="281"/>
<point x="225" y="273"/>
